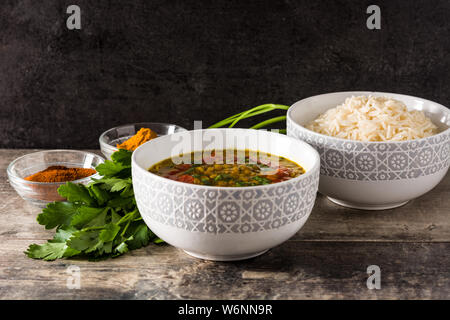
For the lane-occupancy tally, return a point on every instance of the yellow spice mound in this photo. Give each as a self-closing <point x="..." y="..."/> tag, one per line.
<point x="142" y="136"/>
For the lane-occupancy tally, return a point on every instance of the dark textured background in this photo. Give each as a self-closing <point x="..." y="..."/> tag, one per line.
<point x="179" y="61"/>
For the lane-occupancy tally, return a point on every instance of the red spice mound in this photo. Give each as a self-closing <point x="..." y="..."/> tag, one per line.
<point x="60" y="174"/>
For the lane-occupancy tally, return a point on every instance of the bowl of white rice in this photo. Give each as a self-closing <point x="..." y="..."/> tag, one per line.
<point x="378" y="150"/>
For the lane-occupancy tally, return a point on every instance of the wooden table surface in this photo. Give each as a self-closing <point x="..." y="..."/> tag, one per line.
<point x="326" y="259"/>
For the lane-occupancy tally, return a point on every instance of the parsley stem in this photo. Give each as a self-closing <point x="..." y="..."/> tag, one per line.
<point x="128" y="216"/>
<point x="126" y="227"/>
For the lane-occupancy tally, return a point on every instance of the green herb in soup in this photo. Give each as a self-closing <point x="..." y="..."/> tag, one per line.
<point x="228" y="168"/>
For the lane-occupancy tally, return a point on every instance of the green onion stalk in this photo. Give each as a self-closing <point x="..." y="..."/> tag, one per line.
<point x="230" y="122"/>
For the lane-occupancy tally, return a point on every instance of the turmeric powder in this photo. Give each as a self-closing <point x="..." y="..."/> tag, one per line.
<point x="142" y="136"/>
<point x="60" y="174"/>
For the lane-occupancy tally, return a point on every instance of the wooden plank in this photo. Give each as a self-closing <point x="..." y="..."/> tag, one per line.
<point x="318" y="270"/>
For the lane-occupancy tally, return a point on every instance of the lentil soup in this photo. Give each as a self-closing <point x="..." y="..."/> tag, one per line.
<point x="221" y="168"/>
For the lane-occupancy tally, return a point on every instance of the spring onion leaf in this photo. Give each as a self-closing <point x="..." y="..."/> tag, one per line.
<point x="233" y="120"/>
<point x="267" y="122"/>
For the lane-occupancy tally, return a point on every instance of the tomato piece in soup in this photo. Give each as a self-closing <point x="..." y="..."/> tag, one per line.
<point x="186" y="178"/>
<point x="283" y="172"/>
<point x="183" y="166"/>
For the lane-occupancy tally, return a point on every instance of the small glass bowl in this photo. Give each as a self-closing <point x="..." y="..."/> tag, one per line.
<point x="41" y="193"/>
<point x="114" y="136"/>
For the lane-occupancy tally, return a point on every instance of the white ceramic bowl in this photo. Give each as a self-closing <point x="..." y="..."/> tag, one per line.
<point x="374" y="175"/>
<point x="225" y="223"/>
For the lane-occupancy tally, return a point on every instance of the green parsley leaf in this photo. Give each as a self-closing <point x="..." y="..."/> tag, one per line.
<point x="141" y="235"/>
<point x="48" y="251"/>
<point x="76" y="193"/>
<point x="114" y="216"/>
<point x="53" y="249"/>
<point x="123" y="184"/>
<point x="99" y="220"/>
<point x="99" y="194"/>
<point x="109" y="232"/>
<point x="85" y="215"/>
<point x="122" y="156"/>
<point x="57" y="214"/>
<point x="128" y="191"/>
<point x="85" y="240"/>
<point x="110" y="169"/>
<point x="122" y="203"/>
<point x="121" y="248"/>
<point x="63" y="234"/>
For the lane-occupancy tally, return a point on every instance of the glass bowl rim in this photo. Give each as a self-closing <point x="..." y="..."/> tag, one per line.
<point x="111" y="148"/>
<point x="12" y="175"/>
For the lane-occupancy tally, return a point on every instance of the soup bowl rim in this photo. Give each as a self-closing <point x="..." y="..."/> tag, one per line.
<point x="315" y="167"/>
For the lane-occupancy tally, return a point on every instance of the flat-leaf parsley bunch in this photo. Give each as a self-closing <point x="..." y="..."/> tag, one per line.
<point x="97" y="221"/>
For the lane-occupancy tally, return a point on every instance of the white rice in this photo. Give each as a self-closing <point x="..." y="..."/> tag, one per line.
<point x="373" y="119"/>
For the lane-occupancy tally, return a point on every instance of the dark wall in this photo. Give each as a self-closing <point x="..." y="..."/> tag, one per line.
<point x="179" y="61"/>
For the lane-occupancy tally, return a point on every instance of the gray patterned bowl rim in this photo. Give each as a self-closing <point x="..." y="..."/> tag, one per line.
<point x="111" y="148"/>
<point x="291" y="120"/>
<point x="308" y="173"/>
<point x="12" y="175"/>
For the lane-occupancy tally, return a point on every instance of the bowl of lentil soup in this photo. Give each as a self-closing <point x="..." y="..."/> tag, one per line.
<point x="225" y="194"/>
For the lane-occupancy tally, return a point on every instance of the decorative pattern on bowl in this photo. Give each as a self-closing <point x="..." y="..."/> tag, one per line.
<point x="225" y="210"/>
<point x="369" y="161"/>
<point x="225" y="223"/>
